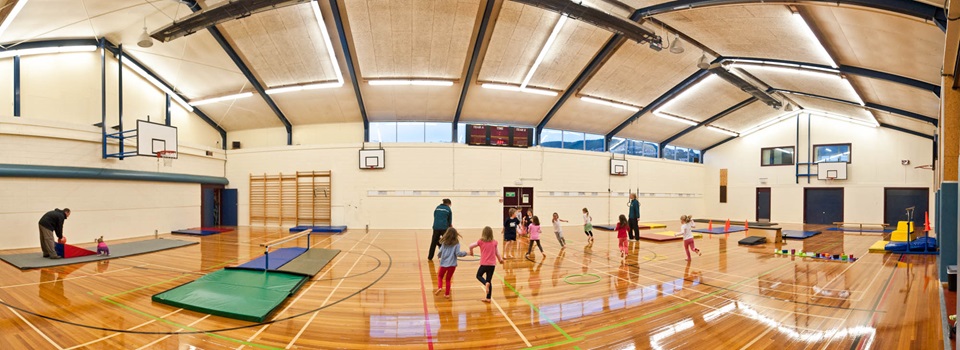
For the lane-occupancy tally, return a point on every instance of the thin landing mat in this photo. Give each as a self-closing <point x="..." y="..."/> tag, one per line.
<point x="652" y="225"/>
<point x="319" y="229"/>
<point x="240" y="294"/>
<point x="857" y="230"/>
<point x="879" y="247"/>
<point x="734" y="222"/>
<point x="36" y="260"/>
<point x="795" y="234"/>
<point x="311" y="262"/>
<point x="659" y="236"/>
<point x="276" y="259"/>
<point x="720" y="230"/>
<point x="605" y="227"/>
<point x="193" y="232"/>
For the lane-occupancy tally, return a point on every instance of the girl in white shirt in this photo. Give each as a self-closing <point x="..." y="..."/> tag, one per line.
<point x="559" y="231"/>
<point x="686" y="230"/>
<point x="588" y="225"/>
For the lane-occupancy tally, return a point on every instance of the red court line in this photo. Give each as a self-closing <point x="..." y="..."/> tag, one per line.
<point x="423" y="292"/>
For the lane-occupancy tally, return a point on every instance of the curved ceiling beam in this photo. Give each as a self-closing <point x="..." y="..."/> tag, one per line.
<point x="905" y="7"/>
<point x="676" y="90"/>
<point x="843" y="69"/>
<point x="598" y="60"/>
<point x="246" y="73"/>
<point x="869" y="105"/>
<point x="477" y="46"/>
<point x="712" y="119"/>
<point x="348" y="57"/>
<point x="907" y="131"/>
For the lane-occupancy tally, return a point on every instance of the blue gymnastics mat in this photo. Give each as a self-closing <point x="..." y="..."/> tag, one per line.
<point x="720" y="231"/>
<point x="277" y="259"/>
<point x="321" y="229"/>
<point x="857" y="230"/>
<point x="195" y="232"/>
<point x="796" y="234"/>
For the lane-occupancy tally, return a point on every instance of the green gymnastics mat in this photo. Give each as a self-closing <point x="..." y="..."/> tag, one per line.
<point x="246" y="295"/>
<point x="310" y="262"/>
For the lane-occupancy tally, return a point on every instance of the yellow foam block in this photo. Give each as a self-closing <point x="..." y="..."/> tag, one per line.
<point x="878" y="247"/>
<point x="653" y="225"/>
<point x="672" y="234"/>
<point x="899" y="236"/>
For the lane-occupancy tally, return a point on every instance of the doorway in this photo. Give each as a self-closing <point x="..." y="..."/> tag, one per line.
<point x="896" y="200"/>
<point x="763" y="204"/>
<point x="822" y="205"/>
<point x="218" y="206"/>
<point x="517" y="197"/>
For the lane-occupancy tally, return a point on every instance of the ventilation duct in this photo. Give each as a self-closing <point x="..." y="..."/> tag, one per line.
<point x="629" y="29"/>
<point x="227" y="11"/>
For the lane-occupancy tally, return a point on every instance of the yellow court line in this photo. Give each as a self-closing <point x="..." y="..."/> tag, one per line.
<point x="315" y="313"/>
<point x="495" y="303"/>
<point x="118" y="333"/>
<point x="34" y="327"/>
<point x="297" y="298"/>
<point x="170" y="335"/>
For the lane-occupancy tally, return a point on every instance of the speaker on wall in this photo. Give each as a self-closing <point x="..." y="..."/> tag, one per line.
<point x="235" y="145"/>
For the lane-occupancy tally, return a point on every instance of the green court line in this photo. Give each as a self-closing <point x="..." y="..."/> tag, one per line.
<point x="534" y="307"/>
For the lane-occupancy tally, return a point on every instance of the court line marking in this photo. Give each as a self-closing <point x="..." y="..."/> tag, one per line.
<point x="62" y="279"/>
<point x="118" y="333"/>
<point x="423" y="292"/>
<point x="35" y="329"/>
<point x="168" y="336"/>
<point x="944" y="320"/>
<point x="870" y="320"/>
<point x="300" y="294"/>
<point x="495" y="303"/>
<point x="315" y="313"/>
<point x="532" y="306"/>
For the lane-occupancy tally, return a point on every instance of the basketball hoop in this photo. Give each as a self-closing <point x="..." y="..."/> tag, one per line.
<point x="830" y="179"/>
<point x="167" y="157"/>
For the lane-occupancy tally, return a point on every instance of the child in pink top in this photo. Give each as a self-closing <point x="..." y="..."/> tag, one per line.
<point x="489" y="256"/>
<point x="534" y="231"/>
<point x="622" y="228"/>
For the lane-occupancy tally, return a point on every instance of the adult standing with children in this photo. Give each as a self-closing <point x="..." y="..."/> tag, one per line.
<point x="442" y="220"/>
<point x="634" y="218"/>
<point x="50" y="223"/>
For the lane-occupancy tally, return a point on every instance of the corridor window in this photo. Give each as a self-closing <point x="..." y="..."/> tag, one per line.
<point x="776" y="156"/>
<point x="831" y="153"/>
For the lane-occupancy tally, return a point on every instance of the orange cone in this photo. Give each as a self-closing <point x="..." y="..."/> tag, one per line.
<point x="726" y="227"/>
<point x="710" y="225"/>
<point x="746" y="227"/>
<point x="926" y="222"/>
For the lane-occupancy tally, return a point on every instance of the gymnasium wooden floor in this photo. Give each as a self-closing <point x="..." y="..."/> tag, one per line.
<point x="378" y="293"/>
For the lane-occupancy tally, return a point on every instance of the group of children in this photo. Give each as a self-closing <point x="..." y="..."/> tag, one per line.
<point x="529" y="226"/>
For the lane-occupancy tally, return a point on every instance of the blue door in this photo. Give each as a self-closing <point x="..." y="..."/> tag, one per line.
<point x="763" y="204"/>
<point x="228" y="207"/>
<point x="822" y="205"/>
<point x="208" y="207"/>
<point x="897" y="200"/>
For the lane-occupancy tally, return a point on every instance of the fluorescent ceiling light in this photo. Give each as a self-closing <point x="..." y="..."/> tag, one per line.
<point x="163" y="87"/>
<point x="722" y="131"/>
<point x="609" y="103"/>
<point x="13" y="14"/>
<point x="854" y="93"/>
<point x="787" y="68"/>
<point x="313" y="86"/>
<point x="872" y="124"/>
<point x="692" y="89"/>
<point x="768" y="123"/>
<point x="221" y="99"/>
<point x="418" y="82"/>
<point x="674" y="118"/>
<point x="326" y="41"/>
<point x="48" y="50"/>
<point x="543" y="51"/>
<point x="803" y="27"/>
<point x="507" y="87"/>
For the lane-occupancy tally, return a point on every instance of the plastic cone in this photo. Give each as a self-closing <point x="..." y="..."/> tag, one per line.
<point x="746" y="227"/>
<point x="926" y="221"/>
<point x="710" y="225"/>
<point x="726" y="227"/>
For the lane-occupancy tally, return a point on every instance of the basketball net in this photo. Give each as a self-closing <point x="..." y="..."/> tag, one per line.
<point x="166" y="157"/>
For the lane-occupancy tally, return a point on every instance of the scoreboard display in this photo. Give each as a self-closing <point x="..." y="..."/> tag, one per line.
<point x="503" y="136"/>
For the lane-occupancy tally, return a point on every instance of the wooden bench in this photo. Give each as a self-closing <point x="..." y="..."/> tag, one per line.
<point x="859" y="224"/>
<point x="778" y="235"/>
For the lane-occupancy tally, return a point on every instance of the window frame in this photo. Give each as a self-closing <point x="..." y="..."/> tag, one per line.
<point x="849" y="147"/>
<point x="774" y="148"/>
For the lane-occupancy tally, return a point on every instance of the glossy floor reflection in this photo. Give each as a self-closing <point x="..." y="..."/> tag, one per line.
<point x="379" y="292"/>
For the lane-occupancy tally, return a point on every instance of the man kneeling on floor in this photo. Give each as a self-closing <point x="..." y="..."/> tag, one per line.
<point x="52" y="222"/>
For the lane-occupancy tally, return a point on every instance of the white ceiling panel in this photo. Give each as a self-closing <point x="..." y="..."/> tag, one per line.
<point x="842" y="109"/>
<point x="747" y="117"/>
<point x="651" y="128"/>
<point x="907" y="123"/>
<point x="412" y="38"/>
<point x="829" y="85"/>
<point x="898" y="96"/>
<point x="519" y="34"/>
<point x="700" y="138"/>
<point x="319" y="106"/>
<point x="576" y="44"/>
<point x="637" y="75"/>
<point x="420" y="103"/>
<point x="245" y="113"/>
<point x="705" y="99"/>
<point x="505" y="107"/>
<point x="768" y="31"/>
<point x="881" y="41"/>
<point x="578" y="115"/>
<point x="284" y="46"/>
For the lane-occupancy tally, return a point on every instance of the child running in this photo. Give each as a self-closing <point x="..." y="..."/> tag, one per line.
<point x="510" y="233"/>
<point x="588" y="225"/>
<point x="622" y="228"/>
<point x="559" y="231"/>
<point x="686" y="230"/>
<point x="489" y="256"/>
<point x="534" y="231"/>
<point x="449" y="251"/>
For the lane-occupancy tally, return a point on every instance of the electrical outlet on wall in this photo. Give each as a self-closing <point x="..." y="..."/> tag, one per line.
<point x="905" y="162"/>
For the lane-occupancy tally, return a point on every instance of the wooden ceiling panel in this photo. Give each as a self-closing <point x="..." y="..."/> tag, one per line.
<point x="898" y="96"/>
<point x="518" y="36"/>
<point x="637" y="75"/>
<point x="708" y="97"/>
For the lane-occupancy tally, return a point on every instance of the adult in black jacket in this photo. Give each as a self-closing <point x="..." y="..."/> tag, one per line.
<point x="442" y="220"/>
<point x="50" y="223"/>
